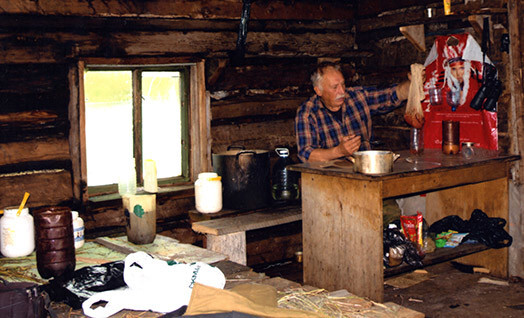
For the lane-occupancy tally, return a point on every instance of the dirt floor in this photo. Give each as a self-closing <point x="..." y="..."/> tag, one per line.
<point x="439" y="291"/>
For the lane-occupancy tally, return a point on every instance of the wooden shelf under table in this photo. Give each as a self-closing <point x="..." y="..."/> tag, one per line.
<point x="440" y="255"/>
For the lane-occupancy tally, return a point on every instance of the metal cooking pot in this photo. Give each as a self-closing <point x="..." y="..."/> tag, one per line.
<point x="373" y="161"/>
<point x="245" y="177"/>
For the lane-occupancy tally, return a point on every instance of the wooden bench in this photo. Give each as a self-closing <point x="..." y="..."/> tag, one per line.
<point x="227" y="235"/>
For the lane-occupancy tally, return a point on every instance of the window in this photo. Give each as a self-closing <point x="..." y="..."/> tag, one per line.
<point x="134" y="112"/>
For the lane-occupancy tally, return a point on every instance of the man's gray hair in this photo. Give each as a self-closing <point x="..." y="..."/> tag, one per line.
<point x="316" y="77"/>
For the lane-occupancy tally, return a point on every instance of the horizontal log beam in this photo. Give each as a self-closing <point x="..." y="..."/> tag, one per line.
<point x="259" y="135"/>
<point x="417" y="15"/>
<point x="210" y="9"/>
<point x="48" y="47"/>
<point x="20" y="23"/>
<point x="27" y="131"/>
<point x="222" y="110"/>
<point x="254" y="111"/>
<point x="34" y="150"/>
<point x="48" y="187"/>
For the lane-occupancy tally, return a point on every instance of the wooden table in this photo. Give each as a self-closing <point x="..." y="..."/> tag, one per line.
<point x="342" y="212"/>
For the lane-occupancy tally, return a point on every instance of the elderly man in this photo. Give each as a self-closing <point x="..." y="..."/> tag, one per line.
<point x="336" y="121"/>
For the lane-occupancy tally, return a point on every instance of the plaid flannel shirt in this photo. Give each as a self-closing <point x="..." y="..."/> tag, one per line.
<point x="316" y="127"/>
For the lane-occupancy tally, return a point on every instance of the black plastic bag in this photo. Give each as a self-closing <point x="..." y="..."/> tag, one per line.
<point x="392" y="237"/>
<point x="85" y="282"/>
<point x="488" y="231"/>
<point x="451" y="222"/>
<point x="481" y="228"/>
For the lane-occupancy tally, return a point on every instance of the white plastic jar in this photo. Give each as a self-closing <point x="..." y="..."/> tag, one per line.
<point x="17" y="232"/>
<point x="208" y="192"/>
<point x="78" y="230"/>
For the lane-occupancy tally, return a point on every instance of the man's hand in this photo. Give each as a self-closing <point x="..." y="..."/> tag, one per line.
<point x="349" y="145"/>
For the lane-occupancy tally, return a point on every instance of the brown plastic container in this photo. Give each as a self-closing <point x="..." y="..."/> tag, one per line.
<point x="450" y="137"/>
<point x="55" y="245"/>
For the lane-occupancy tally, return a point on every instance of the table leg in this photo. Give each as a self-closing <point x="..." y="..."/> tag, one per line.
<point x="342" y="234"/>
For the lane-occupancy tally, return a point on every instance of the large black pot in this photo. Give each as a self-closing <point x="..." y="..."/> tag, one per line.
<point x="245" y="177"/>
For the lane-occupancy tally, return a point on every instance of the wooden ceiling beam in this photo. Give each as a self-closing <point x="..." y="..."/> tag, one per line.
<point x="374" y="8"/>
<point x="201" y="9"/>
<point x="417" y="15"/>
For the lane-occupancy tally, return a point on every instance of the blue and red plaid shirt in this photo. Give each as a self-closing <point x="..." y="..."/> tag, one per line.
<point x="316" y="127"/>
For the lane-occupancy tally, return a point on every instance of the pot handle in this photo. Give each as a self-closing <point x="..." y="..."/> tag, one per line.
<point x="243" y="152"/>
<point x="351" y="158"/>
<point x="396" y="156"/>
<point x="237" y="147"/>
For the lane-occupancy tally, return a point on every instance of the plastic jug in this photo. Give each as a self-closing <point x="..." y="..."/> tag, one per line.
<point x="208" y="192"/>
<point x="285" y="182"/>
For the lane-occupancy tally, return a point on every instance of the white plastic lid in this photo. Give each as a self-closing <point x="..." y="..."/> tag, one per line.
<point x="207" y="175"/>
<point x="12" y="211"/>
<point x="75" y="214"/>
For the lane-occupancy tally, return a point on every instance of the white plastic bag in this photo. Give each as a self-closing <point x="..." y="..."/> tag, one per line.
<point x="154" y="285"/>
<point x="414" y="114"/>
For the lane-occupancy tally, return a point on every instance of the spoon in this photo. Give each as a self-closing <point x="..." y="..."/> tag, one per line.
<point x="24" y="200"/>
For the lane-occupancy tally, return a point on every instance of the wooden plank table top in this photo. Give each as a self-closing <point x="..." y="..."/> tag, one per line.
<point x="430" y="161"/>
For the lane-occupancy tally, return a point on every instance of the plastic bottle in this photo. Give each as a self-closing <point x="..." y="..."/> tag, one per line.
<point x="55" y="245"/>
<point x="127" y="178"/>
<point x="150" y="178"/>
<point x="17" y="232"/>
<point x="78" y="230"/>
<point x="208" y="192"/>
<point x="285" y="182"/>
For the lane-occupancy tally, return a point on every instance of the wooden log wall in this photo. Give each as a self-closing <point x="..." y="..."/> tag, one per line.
<point x="253" y="100"/>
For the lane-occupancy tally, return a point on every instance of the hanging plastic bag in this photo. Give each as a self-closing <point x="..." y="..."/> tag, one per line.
<point x="154" y="285"/>
<point x="414" y="115"/>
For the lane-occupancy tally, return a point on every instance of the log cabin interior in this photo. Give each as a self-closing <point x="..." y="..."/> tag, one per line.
<point x="243" y="69"/>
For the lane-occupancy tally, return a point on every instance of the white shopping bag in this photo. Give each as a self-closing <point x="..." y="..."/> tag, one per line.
<point x="154" y="285"/>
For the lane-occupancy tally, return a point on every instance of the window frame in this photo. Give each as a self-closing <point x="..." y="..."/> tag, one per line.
<point x="198" y="123"/>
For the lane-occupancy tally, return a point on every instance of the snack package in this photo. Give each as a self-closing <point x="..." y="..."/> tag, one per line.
<point x="446" y="235"/>
<point x="412" y="228"/>
<point x="455" y="239"/>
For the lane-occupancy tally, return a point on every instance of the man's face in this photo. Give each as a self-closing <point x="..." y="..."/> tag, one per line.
<point x="457" y="70"/>
<point x="332" y="89"/>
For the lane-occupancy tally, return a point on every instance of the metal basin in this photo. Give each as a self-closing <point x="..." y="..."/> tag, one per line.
<point x="373" y="161"/>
